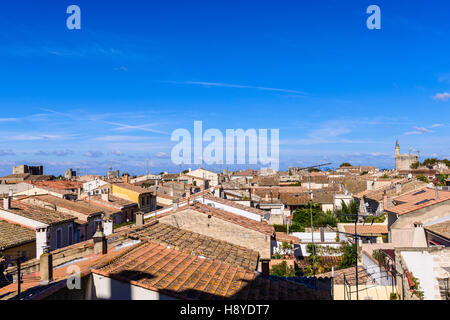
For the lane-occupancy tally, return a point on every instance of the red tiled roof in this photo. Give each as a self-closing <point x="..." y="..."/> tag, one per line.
<point x="180" y="275"/>
<point x="39" y="214"/>
<point x="281" y="236"/>
<point x="418" y="199"/>
<point x="366" y="229"/>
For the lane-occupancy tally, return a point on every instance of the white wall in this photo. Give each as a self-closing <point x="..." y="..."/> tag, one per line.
<point x="231" y="209"/>
<point x="105" y="288"/>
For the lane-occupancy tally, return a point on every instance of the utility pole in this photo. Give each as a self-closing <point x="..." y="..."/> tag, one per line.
<point x="356" y="248"/>
<point x="312" y="226"/>
<point x="19" y="278"/>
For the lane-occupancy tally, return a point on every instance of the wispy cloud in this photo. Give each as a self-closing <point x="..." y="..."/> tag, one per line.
<point x="93" y="154"/>
<point x="228" y="85"/>
<point x="122" y="68"/>
<point x="6" y="153"/>
<point x="162" y="155"/>
<point x="437" y="125"/>
<point x="442" y="96"/>
<point x="36" y="137"/>
<point x="8" y="119"/>
<point x="117" y="153"/>
<point x="144" y="127"/>
<point x="418" y="130"/>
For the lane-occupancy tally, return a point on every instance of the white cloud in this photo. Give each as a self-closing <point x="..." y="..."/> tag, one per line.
<point x="162" y="155"/>
<point x="442" y="96"/>
<point x="437" y="125"/>
<point x="6" y="153"/>
<point x="227" y="85"/>
<point x="117" y="153"/>
<point x="93" y="154"/>
<point x="122" y="68"/>
<point x="418" y="130"/>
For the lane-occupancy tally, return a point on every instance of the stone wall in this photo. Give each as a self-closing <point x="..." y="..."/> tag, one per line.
<point x="219" y="229"/>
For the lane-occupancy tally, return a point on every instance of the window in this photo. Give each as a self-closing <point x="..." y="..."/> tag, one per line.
<point x="59" y="238"/>
<point x="70" y="235"/>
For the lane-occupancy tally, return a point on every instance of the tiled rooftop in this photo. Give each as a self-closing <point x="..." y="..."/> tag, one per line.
<point x="235" y="204"/>
<point x="418" y="199"/>
<point x="39" y="214"/>
<point x="82" y="207"/>
<point x="262" y="226"/>
<point x="132" y="187"/>
<point x="180" y="275"/>
<point x="366" y="229"/>
<point x="442" y="229"/>
<point x="199" y="245"/>
<point x="12" y="235"/>
<point x="281" y="236"/>
<point x="350" y="276"/>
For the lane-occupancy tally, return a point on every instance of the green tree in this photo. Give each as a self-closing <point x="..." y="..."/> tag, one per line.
<point x="349" y="257"/>
<point x="422" y="178"/>
<point x="415" y="165"/>
<point x="282" y="270"/>
<point x="345" y="164"/>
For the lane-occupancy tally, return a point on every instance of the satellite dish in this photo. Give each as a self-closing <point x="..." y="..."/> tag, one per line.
<point x="409" y="176"/>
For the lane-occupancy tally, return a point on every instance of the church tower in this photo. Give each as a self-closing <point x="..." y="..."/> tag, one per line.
<point x="397" y="149"/>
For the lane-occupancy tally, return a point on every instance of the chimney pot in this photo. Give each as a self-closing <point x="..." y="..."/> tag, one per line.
<point x="100" y="243"/>
<point x="265" y="267"/>
<point x="139" y="219"/>
<point x="46" y="266"/>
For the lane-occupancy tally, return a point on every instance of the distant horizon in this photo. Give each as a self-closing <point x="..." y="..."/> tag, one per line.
<point x="112" y="92"/>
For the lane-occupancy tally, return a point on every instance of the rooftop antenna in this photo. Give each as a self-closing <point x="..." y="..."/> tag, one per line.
<point x="146" y="160"/>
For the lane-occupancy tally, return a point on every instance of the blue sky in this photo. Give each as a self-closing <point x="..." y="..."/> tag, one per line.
<point x="111" y="93"/>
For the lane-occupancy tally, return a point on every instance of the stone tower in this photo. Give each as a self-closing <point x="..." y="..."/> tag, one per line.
<point x="403" y="161"/>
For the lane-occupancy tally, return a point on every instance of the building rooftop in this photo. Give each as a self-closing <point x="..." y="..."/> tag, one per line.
<point x="12" y="235"/>
<point x="282" y="236"/>
<point x="262" y="226"/>
<point x="133" y="187"/>
<point x="180" y="275"/>
<point x="349" y="274"/>
<point x="80" y="206"/>
<point x="442" y="229"/>
<point x="366" y="229"/>
<point x="199" y="245"/>
<point x="418" y="199"/>
<point x="46" y="216"/>
<point x="235" y="205"/>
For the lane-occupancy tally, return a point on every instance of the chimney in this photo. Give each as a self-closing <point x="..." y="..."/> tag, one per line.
<point x="171" y="190"/>
<point x="385" y="201"/>
<point x="109" y="227"/>
<point x="100" y="244"/>
<point x="42" y="236"/>
<point x="419" y="238"/>
<point x="322" y="235"/>
<point x="126" y="178"/>
<point x="7" y="201"/>
<point x="139" y="219"/>
<point x="175" y="204"/>
<point x="46" y="266"/>
<point x="79" y="192"/>
<point x="265" y="267"/>
<point x="436" y="192"/>
<point x="105" y="196"/>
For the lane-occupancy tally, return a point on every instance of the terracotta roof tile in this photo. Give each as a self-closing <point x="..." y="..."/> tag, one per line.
<point x="12" y="235"/>
<point x="199" y="245"/>
<point x="366" y="229"/>
<point x="417" y="199"/>
<point x="39" y="214"/>
<point x="180" y="275"/>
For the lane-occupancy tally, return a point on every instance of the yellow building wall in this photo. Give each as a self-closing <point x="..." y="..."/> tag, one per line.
<point x="128" y="194"/>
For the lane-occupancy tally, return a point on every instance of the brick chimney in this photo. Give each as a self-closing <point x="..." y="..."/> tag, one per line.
<point x="46" y="267"/>
<point x="100" y="244"/>
<point x="139" y="219"/>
